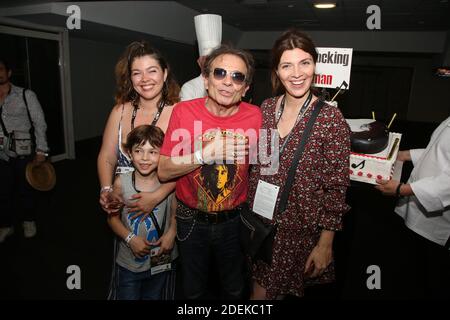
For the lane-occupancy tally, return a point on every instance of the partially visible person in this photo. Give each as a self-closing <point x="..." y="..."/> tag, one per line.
<point x="145" y="94"/>
<point x="20" y="110"/>
<point x="424" y="205"/>
<point x="209" y="132"/>
<point x="139" y="278"/>
<point x="302" y="250"/>
<point x="194" y="88"/>
<point x="208" y="28"/>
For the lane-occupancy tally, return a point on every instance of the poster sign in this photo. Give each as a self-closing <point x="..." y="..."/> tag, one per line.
<point x="333" y="67"/>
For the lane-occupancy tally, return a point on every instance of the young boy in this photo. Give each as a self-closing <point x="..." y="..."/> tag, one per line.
<point x="145" y="252"/>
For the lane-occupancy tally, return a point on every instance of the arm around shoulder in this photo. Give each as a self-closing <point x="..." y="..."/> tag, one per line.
<point x="170" y="168"/>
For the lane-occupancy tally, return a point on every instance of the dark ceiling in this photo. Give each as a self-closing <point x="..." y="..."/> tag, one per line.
<point x="250" y="15"/>
<point x="265" y="15"/>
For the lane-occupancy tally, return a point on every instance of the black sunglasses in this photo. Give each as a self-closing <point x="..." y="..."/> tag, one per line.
<point x="237" y="77"/>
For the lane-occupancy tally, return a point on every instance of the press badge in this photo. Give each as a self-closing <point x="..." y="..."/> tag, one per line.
<point x="159" y="263"/>
<point x="120" y="170"/>
<point x="265" y="199"/>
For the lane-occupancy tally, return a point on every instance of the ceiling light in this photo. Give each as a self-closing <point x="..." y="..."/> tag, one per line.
<point x="325" y="4"/>
<point x="290" y="6"/>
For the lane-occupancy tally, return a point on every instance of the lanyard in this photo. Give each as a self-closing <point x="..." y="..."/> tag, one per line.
<point x="300" y="115"/>
<point x="155" y="119"/>
<point x="151" y="214"/>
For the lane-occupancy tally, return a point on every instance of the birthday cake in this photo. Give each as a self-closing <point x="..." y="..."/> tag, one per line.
<point x="373" y="152"/>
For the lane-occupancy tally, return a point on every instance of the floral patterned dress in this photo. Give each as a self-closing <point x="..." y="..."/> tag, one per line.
<point x="323" y="166"/>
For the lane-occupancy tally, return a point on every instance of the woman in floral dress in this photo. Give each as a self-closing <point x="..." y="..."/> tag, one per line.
<point x="302" y="252"/>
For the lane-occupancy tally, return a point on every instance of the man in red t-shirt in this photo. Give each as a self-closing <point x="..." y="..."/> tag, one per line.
<point x="208" y="147"/>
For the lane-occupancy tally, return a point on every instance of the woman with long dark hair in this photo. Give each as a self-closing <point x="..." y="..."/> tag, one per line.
<point x="302" y="250"/>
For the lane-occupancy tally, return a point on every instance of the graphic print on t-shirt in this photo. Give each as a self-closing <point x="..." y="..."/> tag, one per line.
<point x="143" y="228"/>
<point x="215" y="183"/>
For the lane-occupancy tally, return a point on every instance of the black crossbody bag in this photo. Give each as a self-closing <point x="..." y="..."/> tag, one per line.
<point x="257" y="237"/>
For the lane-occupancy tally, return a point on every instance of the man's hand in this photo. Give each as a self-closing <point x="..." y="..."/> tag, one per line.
<point x="387" y="187"/>
<point x="225" y="149"/>
<point x="142" y="204"/>
<point x="39" y="158"/>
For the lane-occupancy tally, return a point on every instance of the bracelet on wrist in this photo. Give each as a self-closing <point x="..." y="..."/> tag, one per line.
<point x="128" y="238"/>
<point x="106" y="189"/>
<point x="198" y="156"/>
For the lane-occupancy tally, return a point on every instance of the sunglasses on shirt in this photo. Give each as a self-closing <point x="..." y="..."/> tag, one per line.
<point x="236" y="76"/>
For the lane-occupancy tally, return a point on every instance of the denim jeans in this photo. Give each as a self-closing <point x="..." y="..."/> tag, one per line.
<point x="17" y="197"/>
<point x="218" y="241"/>
<point x="139" y="285"/>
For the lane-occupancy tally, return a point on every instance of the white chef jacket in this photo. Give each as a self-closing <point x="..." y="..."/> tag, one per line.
<point x="193" y="89"/>
<point x="427" y="212"/>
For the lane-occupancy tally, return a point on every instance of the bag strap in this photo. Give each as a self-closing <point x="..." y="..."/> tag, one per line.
<point x="26" y="105"/>
<point x="297" y="155"/>
<point x="157" y="227"/>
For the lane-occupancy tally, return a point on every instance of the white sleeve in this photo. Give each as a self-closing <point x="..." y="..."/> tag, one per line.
<point x="38" y="119"/>
<point x="187" y="92"/>
<point x="433" y="192"/>
<point x="415" y="155"/>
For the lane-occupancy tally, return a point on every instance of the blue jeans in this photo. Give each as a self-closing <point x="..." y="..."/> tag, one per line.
<point x="139" y="285"/>
<point x="219" y="241"/>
